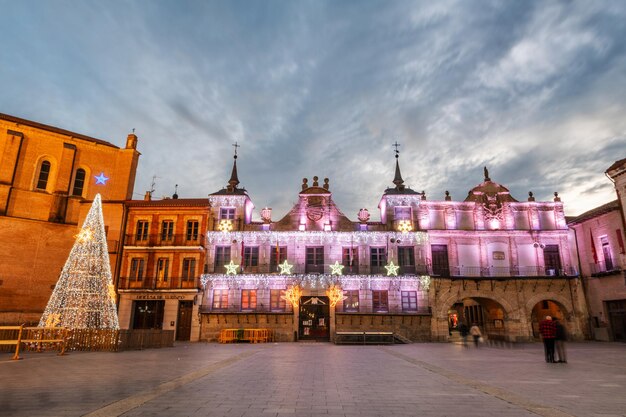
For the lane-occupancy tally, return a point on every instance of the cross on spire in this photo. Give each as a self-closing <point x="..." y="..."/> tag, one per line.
<point x="235" y="145"/>
<point x="396" y="145"/>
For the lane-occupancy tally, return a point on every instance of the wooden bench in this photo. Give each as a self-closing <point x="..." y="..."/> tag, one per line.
<point x="364" y="338"/>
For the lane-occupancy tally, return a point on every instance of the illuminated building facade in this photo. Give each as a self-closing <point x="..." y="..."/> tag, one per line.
<point x="420" y="271"/>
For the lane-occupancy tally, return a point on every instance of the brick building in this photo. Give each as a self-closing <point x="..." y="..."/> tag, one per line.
<point x="48" y="178"/>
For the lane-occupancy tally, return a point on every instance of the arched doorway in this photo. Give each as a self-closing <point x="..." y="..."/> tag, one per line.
<point x="546" y="308"/>
<point x="488" y="314"/>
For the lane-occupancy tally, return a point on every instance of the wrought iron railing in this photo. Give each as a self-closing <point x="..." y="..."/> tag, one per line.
<point x="603" y="267"/>
<point x="154" y="283"/>
<point x="165" y="240"/>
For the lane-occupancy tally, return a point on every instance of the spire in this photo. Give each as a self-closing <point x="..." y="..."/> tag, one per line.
<point x="397" y="180"/>
<point x="234" y="180"/>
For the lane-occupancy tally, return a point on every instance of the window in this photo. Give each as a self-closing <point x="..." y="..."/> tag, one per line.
<point x="409" y="300"/>
<point x="440" y="260"/>
<point x="222" y="257"/>
<point x="227" y="213"/>
<point x="136" y="269"/>
<point x="406" y="260"/>
<point x="351" y="303"/>
<point x="44" y="173"/>
<point x="315" y="259"/>
<point x="402" y="213"/>
<point x="606" y="252"/>
<point x="148" y="314"/>
<point x="189" y="269"/>
<point x="163" y="266"/>
<point x="552" y="260"/>
<point x="79" y="182"/>
<point x="378" y="260"/>
<point x="278" y="255"/>
<point x="379" y="301"/>
<point x="277" y="302"/>
<point x="248" y="299"/>
<point x="192" y="230"/>
<point x="220" y="299"/>
<point x="350" y="261"/>
<point x="142" y="230"/>
<point x="167" y="230"/>
<point x="250" y="256"/>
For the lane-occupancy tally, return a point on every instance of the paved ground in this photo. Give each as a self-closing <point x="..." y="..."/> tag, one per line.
<point x="303" y="380"/>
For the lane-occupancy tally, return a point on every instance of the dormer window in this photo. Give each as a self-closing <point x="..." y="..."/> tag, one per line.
<point x="227" y="213"/>
<point x="402" y="213"/>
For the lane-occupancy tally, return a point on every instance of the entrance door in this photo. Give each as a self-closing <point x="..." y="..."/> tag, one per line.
<point x="314" y="318"/>
<point x="183" y="327"/>
<point x="617" y="317"/>
<point x="552" y="260"/>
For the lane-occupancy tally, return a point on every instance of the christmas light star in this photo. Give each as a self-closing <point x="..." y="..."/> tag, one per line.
<point x="285" y="268"/>
<point x="336" y="268"/>
<point x="392" y="269"/>
<point x="231" y="268"/>
<point x="101" y="179"/>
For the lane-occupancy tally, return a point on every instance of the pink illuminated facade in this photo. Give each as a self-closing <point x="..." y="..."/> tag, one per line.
<point x="418" y="273"/>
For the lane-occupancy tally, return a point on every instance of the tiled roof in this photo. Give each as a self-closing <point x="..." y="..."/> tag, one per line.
<point x="54" y="129"/>
<point x="598" y="211"/>
<point x="616" y="165"/>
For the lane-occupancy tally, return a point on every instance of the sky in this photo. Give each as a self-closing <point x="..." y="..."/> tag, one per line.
<point x="534" y="90"/>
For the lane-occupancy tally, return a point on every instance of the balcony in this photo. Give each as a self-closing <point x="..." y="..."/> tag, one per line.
<point x="153" y="283"/>
<point x="604" y="268"/>
<point x="160" y="240"/>
<point x="511" y="271"/>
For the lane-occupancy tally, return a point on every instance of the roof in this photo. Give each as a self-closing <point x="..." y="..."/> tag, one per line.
<point x="170" y="202"/>
<point x="54" y="129"/>
<point x="598" y="211"/>
<point x="616" y="165"/>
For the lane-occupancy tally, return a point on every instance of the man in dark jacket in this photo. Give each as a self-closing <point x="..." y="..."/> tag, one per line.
<point x="561" y="337"/>
<point x="547" y="329"/>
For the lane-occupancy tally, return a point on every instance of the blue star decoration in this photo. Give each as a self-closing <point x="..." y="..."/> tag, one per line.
<point x="101" y="179"/>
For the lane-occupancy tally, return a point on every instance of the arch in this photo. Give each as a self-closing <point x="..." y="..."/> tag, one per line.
<point x="550" y="296"/>
<point x="445" y="304"/>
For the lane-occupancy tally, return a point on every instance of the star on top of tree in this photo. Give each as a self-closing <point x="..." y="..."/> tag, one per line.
<point x="336" y="268"/>
<point x="231" y="268"/>
<point x="392" y="269"/>
<point x="285" y="268"/>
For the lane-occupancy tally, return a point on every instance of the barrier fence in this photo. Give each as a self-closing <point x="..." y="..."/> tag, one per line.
<point x="245" y="335"/>
<point x="39" y="339"/>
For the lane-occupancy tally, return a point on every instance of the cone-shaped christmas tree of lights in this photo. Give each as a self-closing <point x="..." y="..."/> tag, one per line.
<point x="84" y="296"/>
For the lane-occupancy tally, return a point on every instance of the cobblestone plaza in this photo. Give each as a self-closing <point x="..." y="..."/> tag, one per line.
<point x="318" y="379"/>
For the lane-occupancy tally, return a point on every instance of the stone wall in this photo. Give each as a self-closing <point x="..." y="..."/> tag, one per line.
<point x="281" y="324"/>
<point x="415" y="327"/>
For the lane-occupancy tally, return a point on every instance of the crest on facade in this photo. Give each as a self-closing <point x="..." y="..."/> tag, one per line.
<point x="315" y="208"/>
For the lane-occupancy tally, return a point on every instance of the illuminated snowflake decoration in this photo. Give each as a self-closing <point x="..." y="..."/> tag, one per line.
<point x="285" y="268"/>
<point x="425" y="282"/>
<point x="405" y="226"/>
<point x="335" y="294"/>
<point x="392" y="270"/>
<point x="231" y="268"/>
<point x="225" y="225"/>
<point x="336" y="268"/>
<point x="292" y="295"/>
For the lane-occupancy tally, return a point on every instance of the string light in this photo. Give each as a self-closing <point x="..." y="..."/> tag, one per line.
<point x="425" y="282"/>
<point x="231" y="268"/>
<point x="285" y="268"/>
<point x="225" y="226"/>
<point x="355" y="237"/>
<point x="336" y="268"/>
<point x="292" y="295"/>
<point x="335" y="294"/>
<point x="84" y="297"/>
<point x="392" y="269"/>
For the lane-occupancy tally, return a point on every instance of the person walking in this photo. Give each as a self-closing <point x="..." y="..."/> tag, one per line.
<point x="476" y="334"/>
<point x="547" y="329"/>
<point x="561" y="337"/>
<point x="464" y="332"/>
